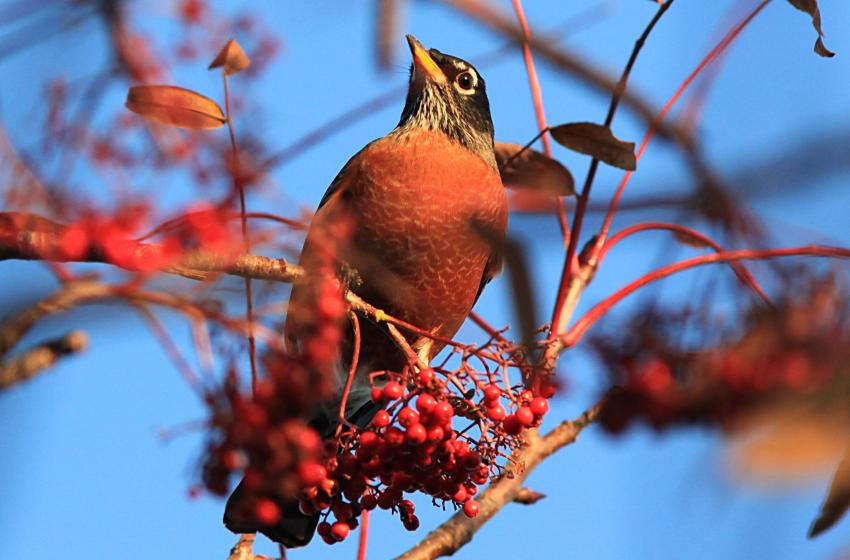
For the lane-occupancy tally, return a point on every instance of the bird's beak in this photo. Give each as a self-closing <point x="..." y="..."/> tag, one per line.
<point x="422" y="61"/>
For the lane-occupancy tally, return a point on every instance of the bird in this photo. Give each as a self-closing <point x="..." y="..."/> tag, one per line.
<point x="427" y="213"/>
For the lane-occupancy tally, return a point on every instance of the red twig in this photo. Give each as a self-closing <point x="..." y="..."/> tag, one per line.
<point x="352" y="370"/>
<point x="171" y="349"/>
<point x="237" y="181"/>
<point x="364" y="535"/>
<point x="486" y="327"/>
<point x="568" y="272"/>
<point x="540" y="113"/>
<point x="712" y="55"/>
<point x="580" y="327"/>
<point x="740" y="270"/>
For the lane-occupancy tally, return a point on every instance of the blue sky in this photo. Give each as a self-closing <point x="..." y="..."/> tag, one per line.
<point x="86" y="474"/>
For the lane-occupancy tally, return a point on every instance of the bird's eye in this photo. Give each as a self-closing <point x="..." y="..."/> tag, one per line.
<point x="465" y="82"/>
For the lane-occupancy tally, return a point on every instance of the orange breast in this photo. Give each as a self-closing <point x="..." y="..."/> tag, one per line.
<point x="423" y="209"/>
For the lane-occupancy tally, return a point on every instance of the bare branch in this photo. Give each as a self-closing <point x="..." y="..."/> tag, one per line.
<point x="71" y="295"/>
<point x="563" y="59"/>
<point x="35" y="360"/>
<point x="449" y="537"/>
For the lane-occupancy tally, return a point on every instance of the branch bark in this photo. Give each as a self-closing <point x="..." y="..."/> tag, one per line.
<point x="31" y="362"/>
<point x="449" y="537"/>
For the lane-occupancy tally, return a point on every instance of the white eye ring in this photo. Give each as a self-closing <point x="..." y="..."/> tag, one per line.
<point x="466" y="82"/>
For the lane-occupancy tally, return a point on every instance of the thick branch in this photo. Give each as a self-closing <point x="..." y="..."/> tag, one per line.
<point x="31" y="362"/>
<point x="31" y="237"/>
<point x="449" y="537"/>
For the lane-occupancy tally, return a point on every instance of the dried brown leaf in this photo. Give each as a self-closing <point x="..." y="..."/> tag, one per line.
<point x="231" y="58"/>
<point x="690" y="240"/>
<point x="837" y="499"/>
<point x="175" y="106"/>
<point x="597" y="141"/>
<point x="811" y="8"/>
<point x="784" y="443"/>
<point x="532" y="170"/>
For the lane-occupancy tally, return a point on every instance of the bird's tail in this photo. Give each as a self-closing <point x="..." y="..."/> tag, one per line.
<point x="294" y="528"/>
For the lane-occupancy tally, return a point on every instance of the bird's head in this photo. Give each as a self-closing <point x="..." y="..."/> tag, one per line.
<point x="448" y="94"/>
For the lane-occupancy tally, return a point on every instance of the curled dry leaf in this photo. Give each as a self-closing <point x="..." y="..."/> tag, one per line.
<point x="231" y="58"/>
<point x="837" y="499"/>
<point x="811" y="8"/>
<point x="690" y="240"/>
<point x="784" y="443"/>
<point x="175" y="106"/>
<point x="532" y="170"/>
<point x="597" y="141"/>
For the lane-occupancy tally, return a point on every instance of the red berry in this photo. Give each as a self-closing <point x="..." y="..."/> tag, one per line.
<point x="425" y="377"/>
<point x="340" y="530"/>
<point x="496" y="413"/>
<point x="443" y="411"/>
<point x="310" y="474"/>
<point x="425" y="403"/>
<point x="368" y="502"/>
<point x="436" y="434"/>
<point x="408" y="417"/>
<point x="368" y="440"/>
<point x="342" y="511"/>
<point x="266" y="512"/>
<point x="393" y="391"/>
<point x="407" y="507"/>
<point x="492" y="392"/>
<point x="539" y="406"/>
<point x="324" y="529"/>
<point x="471" y="461"/>
<point x="460" y="495"/>
<point x="416" y="434"/>
<point x="382" y="419"/>
<point x="548" y="388"/>
<point x="394" y="436"/>
<point x="525" y="416"/>
<point x="386" y="500"/>
<point x="411" y="523"/>
<point x="481" y="476"/>
<point x="377" y="394"/>
<point x="329" y="539"/>
<point x="471" y="508"/>
<point x="511" y="425"/>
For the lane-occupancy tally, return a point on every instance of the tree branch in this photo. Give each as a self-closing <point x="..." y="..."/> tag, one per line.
<point x="561" y="58"/>
<point x="449" y="537"/>
<point x="32" y="237"/>
<point x="31" y="362"/>
<point x="71" y="295"/>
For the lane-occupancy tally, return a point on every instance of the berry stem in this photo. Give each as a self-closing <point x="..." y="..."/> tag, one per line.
<point x="240" y="188"/>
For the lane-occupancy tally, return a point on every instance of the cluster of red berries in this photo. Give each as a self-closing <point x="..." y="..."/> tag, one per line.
<point x="264" y="434"/>
<point x="796" y="350"/>
<point x="411" y="446"/>
<point x="113" y="237"/>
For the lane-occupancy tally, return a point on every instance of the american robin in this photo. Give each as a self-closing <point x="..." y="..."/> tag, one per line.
<point x="427" y="211"/>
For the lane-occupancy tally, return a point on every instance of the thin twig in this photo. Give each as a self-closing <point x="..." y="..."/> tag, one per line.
<point x="246" y="242"/>
<point x="561" y="314"/>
